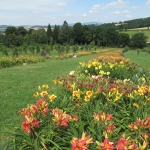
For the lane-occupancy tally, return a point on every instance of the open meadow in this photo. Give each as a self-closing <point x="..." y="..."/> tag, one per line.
<point x="138" y="30"/>
<point x="143" y="59"/>
<point x="96" y="101"/>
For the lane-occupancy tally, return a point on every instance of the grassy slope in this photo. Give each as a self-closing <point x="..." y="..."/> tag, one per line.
<point x="145" y="31"/>
<point x="142" y="59"/>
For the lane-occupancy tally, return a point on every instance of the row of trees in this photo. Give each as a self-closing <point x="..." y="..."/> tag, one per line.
<point x="78" y="34"/>
<point x="45" y="49"/>
<point x="129" y="24"/>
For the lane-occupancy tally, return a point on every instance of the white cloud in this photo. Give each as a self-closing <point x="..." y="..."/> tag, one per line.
<point x="33" y="5"/>
<point x="95" y="9"/>
<point x="60" y="4"/>
<point x="84" y="15"/>
<point x="115" y="4"/>
<point x="120" y="12"/>
<point x="68" y="15"/>
<point x="52" y="7"/>
<point x="126" y="12"/>
<point x="135" y="7"/>
<point x="37" y="12"/>
<point x="116" y="12"/>
<point x="128" y="16"/>
<point x="54" y="18"/>
<point x="47" y="16"/>
<point x="56" y="11"/>
<point x="148" y="3"/>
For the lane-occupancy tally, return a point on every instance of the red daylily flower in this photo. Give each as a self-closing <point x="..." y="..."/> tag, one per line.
<point x="79" y="144"/>
<point x="122" y="144"/>
<point x="107" y="145"/>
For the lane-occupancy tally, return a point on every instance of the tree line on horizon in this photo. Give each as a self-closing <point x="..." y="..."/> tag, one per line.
<point x="105" y="36"/>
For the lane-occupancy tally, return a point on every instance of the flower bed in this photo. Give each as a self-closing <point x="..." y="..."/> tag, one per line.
<point x="20" y="60"/>
<point x="103" y="105"/>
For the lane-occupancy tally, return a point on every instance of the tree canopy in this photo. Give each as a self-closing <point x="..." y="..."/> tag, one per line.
<point x="100" y="35"/>
<point x="138" y="40"/>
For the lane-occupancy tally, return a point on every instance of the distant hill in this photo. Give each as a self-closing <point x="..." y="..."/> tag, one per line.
<point x="92" y="23"/>
<point x="3" y="26"/>
<point x="40" y="26"/>
<point x="87" y="23"/>
<point x="129" y="24"/>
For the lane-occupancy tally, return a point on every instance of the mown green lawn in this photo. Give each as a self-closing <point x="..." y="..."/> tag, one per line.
<point x="143" y="59"/>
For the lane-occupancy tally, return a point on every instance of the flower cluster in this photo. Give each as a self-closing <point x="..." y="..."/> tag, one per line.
<point x="140" y="124"/>
<point x="31" y="113"/>
<point x="82" y="143"/>
<point x="142" y="127"/>
<point x="105" y="121"/>
<point x="122" y="144"/>
<point x="62" y="118"/>
<point x="43" y="93"/>
<point x="115" y="90"/>
<point x="108" y="65"/>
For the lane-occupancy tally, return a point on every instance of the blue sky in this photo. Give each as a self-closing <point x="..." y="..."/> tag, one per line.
<point x="43" y="12"/>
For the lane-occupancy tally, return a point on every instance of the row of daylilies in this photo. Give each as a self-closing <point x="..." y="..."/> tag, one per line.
<point x="104" y="105"/>
<point x="105" y="121"/>
<point x="20" y="60"/>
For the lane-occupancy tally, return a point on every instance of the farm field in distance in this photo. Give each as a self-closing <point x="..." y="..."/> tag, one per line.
<point x="137" y="30"/>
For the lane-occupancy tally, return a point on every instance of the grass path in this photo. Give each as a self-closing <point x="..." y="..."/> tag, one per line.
<point x="142" y="59"/>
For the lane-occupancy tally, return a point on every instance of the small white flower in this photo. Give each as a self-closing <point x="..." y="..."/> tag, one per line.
<point x="95" y="77"/>
<point x="72" y="72"/>
<point x="126" y="80"/>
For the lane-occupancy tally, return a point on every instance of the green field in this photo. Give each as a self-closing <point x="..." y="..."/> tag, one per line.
<point x="145" y="31"/>
<point x="143" y="59"/>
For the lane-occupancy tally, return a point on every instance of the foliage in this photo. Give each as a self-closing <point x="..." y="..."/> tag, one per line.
<point x="138" y="23"/>
<point x="56" y="34"/>
<point x="2" y="39"/>
<point x="49" y="34"/>
<point x="10" y="30"/>
<point x="124" y="39"/>
<point x="112" y="37"/>
<point x="129" y="24"/>
<point x="102" y="35"/>
<point x="88" y="35"/>
<point x="78" y="33"/>
<point x="64" y="34"/>
<point x="138" y="40"/>
<point x="21" y="31"/>
<point x="39" y="36"/>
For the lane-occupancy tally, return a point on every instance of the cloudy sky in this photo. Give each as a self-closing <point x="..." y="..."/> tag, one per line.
<point x="43" y="12"/>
